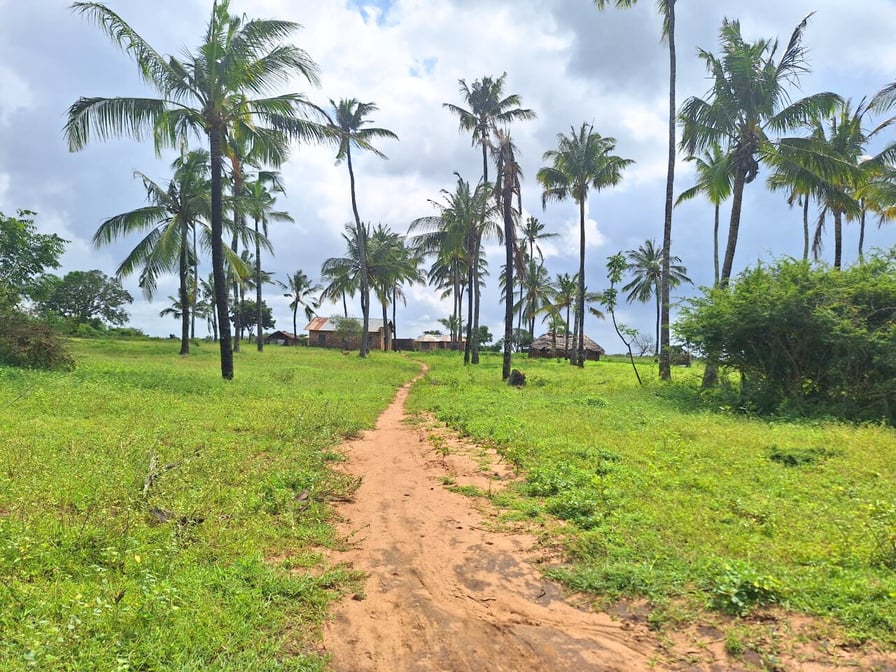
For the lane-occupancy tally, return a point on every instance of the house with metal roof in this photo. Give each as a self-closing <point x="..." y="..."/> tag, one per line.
<point x="345" y="333"/>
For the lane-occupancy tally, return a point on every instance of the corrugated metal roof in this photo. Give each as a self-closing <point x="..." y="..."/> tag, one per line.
<point x="326" y="324"/>
<point x="433" y="338"/>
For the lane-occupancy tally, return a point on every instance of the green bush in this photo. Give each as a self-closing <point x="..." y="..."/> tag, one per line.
<point x="28" y="344"/>
<point x="805" y="339"/>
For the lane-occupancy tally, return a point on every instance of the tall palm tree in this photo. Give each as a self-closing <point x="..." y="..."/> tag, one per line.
<point x="566" y="288"/>
<point x="667" y="10"/>
<point x="349" y="125"/>
<point x="748" y="100"/>
<point x="530" y="232"/>
<point x="258" y="202"/>
<point x="343" y="274"/>
<point x="507" y="186"/>
<point x="537" y="292"/>
<point x="219" y="91"/>
<point x="300" y="292"/>
<point x="582" y="161"/>
<point x="714" y="181"/>
<point x="646" y="265"/>
<point x="466" y="216"/>
<point x="488" y="109"/>
<point x="170" y="219"/>
<point x="390" y="265"/>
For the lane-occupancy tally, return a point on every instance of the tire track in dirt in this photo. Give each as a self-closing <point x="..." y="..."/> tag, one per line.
<point x="443" y="593"/>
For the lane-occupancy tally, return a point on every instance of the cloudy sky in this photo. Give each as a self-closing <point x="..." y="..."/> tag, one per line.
<point x="568" y="62"/>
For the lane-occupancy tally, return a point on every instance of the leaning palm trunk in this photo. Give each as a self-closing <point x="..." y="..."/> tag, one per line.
<point x="711" y="373"/>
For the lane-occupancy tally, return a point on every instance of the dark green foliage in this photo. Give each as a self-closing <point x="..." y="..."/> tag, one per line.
<point x="85" y="296"/>
<point x="24" y="256"/>
<point x="28" y="344"/>
<point x="805" y="339"/>
<point x="248" y="315"/>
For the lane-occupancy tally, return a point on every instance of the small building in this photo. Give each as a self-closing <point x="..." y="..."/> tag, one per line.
<point x="282" y="338"/>
<point x="345" y="333"/>
<point x="543" y="346"/>
<point x="430" y="342"/>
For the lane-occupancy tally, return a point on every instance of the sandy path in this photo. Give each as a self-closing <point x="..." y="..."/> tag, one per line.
<point x="443" y="593"/>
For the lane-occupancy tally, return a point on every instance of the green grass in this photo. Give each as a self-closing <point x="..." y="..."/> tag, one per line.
<point x="216" y="563"/>
<point x="671" y="495"/>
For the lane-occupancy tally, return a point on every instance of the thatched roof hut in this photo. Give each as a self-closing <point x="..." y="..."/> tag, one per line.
<point x="543" y="346"/>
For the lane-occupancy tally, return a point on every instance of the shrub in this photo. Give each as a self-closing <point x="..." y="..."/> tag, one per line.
<point x="805" y="339"/>
<point x="26" y="343"/>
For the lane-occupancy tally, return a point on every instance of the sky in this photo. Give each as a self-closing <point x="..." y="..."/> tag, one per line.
<point x="567" y="61"/>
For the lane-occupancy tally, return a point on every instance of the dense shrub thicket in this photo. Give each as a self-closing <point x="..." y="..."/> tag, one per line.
<point x="27" y="343"/>
<point x="806" y="339"/>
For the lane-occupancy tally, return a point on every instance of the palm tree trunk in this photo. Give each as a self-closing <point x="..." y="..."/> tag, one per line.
<point x="507" y="202"/>
<point x="393" y="331"/>
<point x="715" y="247"/>
<point x="185" y="312"/>
<point x="737" y="199"/>
<point x="580" y="305"/>
<point x="805" y="228"/>
<point x="665" y="352"/>
<point x="259" y="313"/>
<point x="387" y="336"/>
<point x="468" y="346"/>
<point x="657" y="348"/>
<point x="862" y="235"/>
<point x="295" y="327"/>
<point x="566" y="335"/>
<point x="474" y="351"/>
<point x="218" y="254"/>
<point x="838" y="238"/>
<point x="362" y="254"/>
<point x="195" y="286"/>
<point x="238" y="226"/>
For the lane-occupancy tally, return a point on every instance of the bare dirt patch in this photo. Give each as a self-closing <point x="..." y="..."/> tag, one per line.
<point x="446" y="592"/>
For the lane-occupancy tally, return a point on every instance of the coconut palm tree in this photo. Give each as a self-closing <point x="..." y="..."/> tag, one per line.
<point x="748" y="101"/>
<point x="169" y="221"/>
<point x="300" y="291"/>
<point x="507" y="186"/>
<point x="646" y="265"/>
<point x="582" y="161"/>
<point x="466" y="216"/>
<point x="667" y="10"/>
<point x="349" y="125"/>
<point x="488" y="109"/>
<point x="713" y="180"/>
<point x="566" y="288"/>
<point x="220" y="90"/>
<point x="390" y="264"/>
<point x="258" y="202"/>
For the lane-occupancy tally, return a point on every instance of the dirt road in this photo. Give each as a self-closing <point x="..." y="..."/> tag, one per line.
<point x="443" y="593"/>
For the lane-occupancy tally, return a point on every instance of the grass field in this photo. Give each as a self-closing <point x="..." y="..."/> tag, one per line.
<point x="676" y="497"/>
<point x="155" y="517"/>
